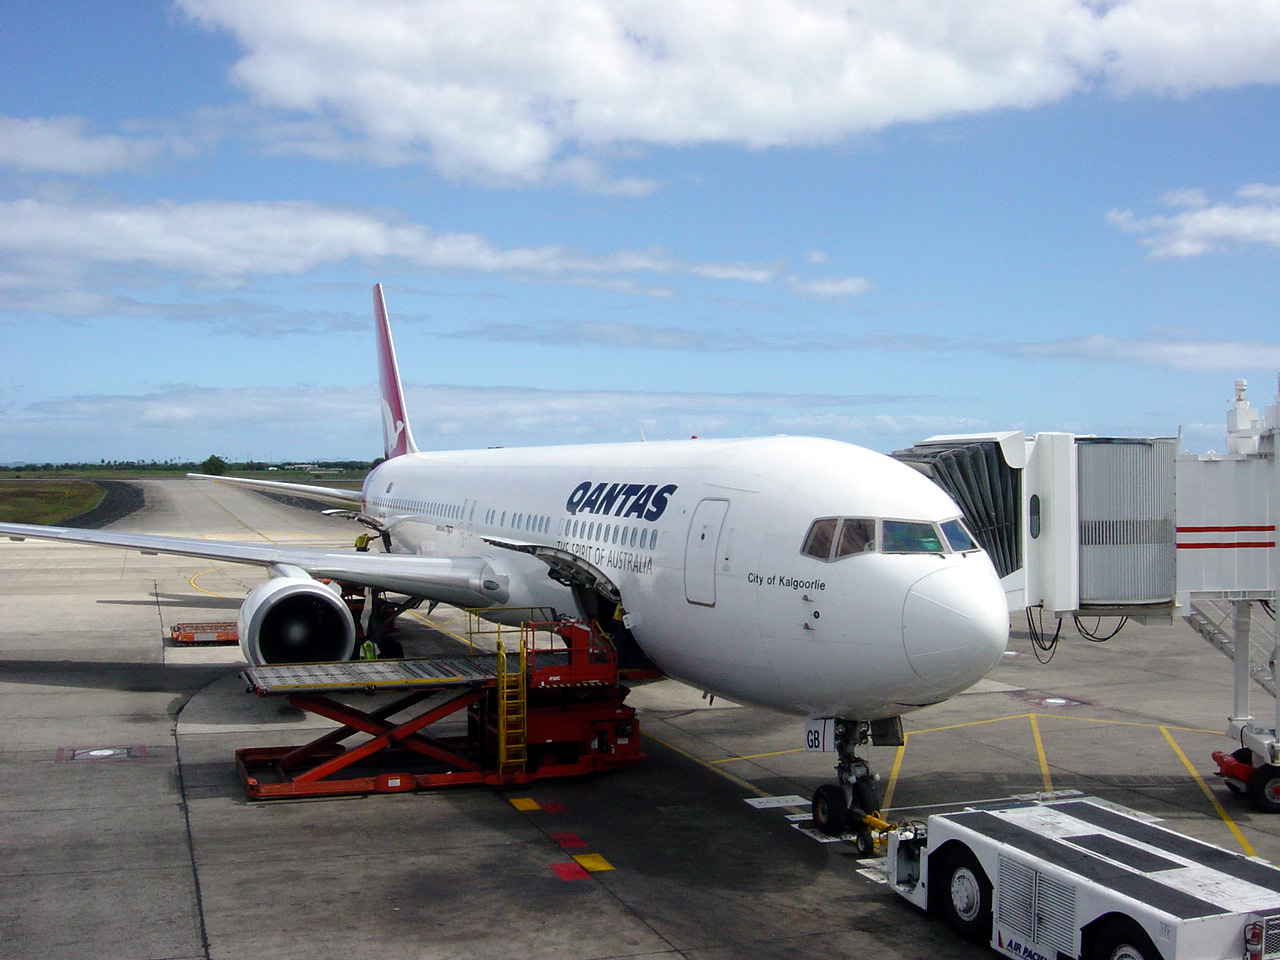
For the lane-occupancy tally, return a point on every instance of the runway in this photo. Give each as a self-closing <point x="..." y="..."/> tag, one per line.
<point x="127" y="833"/>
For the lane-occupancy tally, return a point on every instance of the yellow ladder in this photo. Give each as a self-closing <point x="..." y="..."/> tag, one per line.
<point x="513" y="711"/>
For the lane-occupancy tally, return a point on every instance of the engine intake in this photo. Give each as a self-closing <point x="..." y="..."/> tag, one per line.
<point x="295" y="620"/>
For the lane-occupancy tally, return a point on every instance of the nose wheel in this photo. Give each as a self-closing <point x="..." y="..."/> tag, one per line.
<point x="844" y="806"/>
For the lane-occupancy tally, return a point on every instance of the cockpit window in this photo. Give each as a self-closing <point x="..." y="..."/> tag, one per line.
<point x="958" y="537"/>
<point x="833" y="538"/>
<point x="856" y="536"/>
<point x="821" y="535"/>
<point x="907" y="536"/>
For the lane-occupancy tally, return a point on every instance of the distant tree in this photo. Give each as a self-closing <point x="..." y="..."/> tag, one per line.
<point x="215" y="466"/>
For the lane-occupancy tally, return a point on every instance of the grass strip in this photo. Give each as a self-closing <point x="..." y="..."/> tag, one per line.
<point x="46" y="501"/>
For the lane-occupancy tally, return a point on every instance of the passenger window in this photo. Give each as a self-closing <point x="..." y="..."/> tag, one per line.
<point x="958" y="536"/>
<point x="856" y="536"/>
<point x="821" y="535"/>
<point x="905" y="536"/>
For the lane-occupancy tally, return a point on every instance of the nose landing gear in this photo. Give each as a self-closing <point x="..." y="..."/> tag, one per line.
<point x="853" y="800"/>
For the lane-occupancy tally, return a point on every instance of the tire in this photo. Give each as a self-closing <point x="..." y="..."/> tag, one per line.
<point x="965" y="895"/>
<point x="830" y="815"/>
<point x="1264" y="788"/>
<point x="1122" y="939"/>
<point x="865" y="843"/>
<point x="864" y="795"/>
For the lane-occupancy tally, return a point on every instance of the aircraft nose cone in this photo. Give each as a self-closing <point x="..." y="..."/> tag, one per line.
<point x="955" y="625"/>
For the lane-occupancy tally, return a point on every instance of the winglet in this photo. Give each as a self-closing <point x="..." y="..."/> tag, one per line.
<point x="397" y="438"/>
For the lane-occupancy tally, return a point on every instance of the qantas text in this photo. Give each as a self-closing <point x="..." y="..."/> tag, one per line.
<point x="644" y="501"/>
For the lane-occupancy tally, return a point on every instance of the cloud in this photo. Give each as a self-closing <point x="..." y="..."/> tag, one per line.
<point x="1161" y="351"/>
<point x="1201" y="227"/>
<point x="1191" y="198"/>
<point x="608" y="333"/>
<point x="832" y="286"/>
<point x="721" y="339"/>
<point x="62" y="145"/>
<point x="187" y="421"/>
<point x="1178" y="350"/>
<point x="1180" y="46"/>
<point x="916" y="426"/>
<point x="233" y="241"/>
<point x="523" y="92"/>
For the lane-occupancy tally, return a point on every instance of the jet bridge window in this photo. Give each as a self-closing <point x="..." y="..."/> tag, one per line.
<point x="909" y="536"/>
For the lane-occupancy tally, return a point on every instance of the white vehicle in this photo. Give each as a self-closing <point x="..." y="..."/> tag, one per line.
<point x="1084" y="879"/>
<point x="804" y="575"/>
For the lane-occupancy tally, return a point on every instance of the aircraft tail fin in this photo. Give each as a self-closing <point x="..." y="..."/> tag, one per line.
<point x="397" y="438"/>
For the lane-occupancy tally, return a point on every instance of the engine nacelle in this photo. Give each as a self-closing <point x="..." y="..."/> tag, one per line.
<point x="295" y="620"/>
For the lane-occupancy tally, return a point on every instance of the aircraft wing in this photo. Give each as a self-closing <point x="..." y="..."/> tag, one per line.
<point x="308" y="490"/>
<point x="463" y="581"/>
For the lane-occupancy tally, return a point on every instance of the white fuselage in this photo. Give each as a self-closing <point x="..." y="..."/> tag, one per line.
<point x="705" y="540"/>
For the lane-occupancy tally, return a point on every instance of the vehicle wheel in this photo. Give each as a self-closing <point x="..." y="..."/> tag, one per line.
<point x="1123" y="940"/>
<point x="966" y="895"/>
<point x="829" y="812"/>
<point x="389" y="649"/>
<point x="1264" y="788"/>
<point x="864" y="795"/>
<point x="1232" y="786"/>
<point x="865" y="843"/>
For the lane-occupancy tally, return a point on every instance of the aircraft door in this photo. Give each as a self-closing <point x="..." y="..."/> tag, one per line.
<point x="700" y="552"/>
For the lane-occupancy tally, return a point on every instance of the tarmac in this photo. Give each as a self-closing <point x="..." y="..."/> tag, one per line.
<point x="127" y="832"/>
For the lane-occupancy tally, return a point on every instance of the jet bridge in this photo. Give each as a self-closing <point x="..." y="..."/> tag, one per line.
<point x="1083" y="527"/>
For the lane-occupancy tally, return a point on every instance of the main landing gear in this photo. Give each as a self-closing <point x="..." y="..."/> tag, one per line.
<point x="377" y="621"/>
<point x="842" y="807"/>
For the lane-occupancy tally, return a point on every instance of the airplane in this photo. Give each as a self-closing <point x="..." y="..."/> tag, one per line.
<point x="804" y="575"/>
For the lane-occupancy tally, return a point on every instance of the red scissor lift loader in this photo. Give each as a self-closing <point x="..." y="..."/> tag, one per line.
<point x="551" y="707"/>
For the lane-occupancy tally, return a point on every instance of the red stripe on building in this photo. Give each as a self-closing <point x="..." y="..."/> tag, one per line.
<point x="1259" y="529"/>
<point x="1226" y="546"/>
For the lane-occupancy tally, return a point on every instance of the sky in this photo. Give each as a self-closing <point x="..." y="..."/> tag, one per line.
<point x="602" y="221"/>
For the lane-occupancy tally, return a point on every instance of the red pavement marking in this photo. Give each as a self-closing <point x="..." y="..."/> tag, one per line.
<point x="568" y="840"/>
<point x="554" y="806"/>
<point x="570" y="871"/>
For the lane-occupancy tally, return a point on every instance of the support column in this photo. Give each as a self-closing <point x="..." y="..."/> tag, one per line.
<point x="1242" y="611"/>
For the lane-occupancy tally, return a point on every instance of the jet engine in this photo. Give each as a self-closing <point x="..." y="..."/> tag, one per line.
<point x="295" y="619"/>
